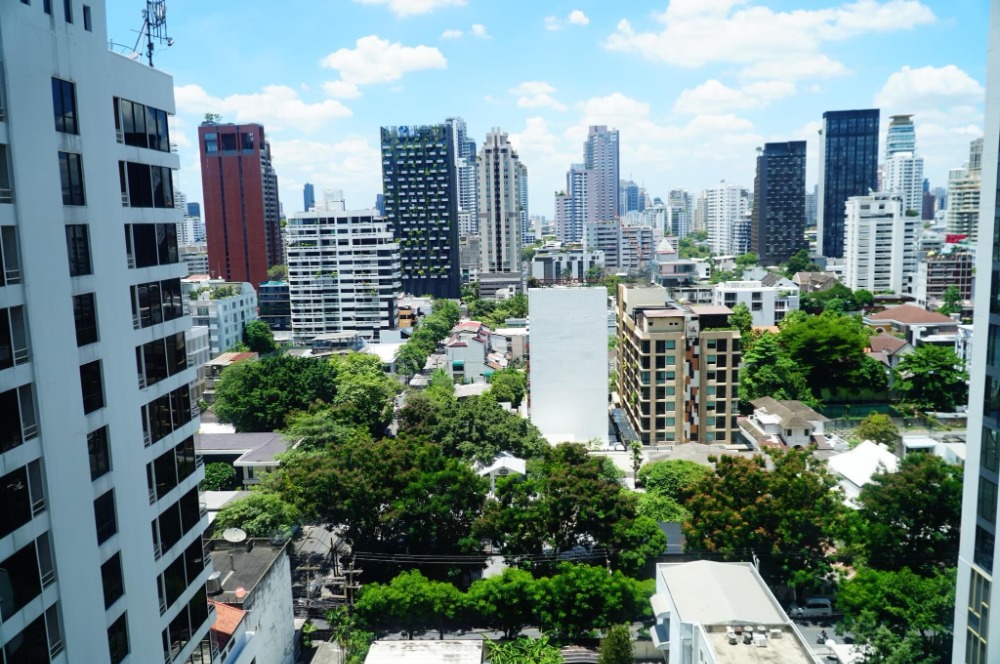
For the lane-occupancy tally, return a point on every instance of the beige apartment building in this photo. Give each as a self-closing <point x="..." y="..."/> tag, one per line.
<point x="678" y="368"/>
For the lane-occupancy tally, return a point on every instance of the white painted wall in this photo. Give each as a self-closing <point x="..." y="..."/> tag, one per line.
<point x="569" y="367"/>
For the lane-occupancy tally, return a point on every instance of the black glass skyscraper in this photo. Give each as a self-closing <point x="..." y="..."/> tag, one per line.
<point x="848" y="166"/>
<point x="779" y="202"/>
<point x="421" y="203"/>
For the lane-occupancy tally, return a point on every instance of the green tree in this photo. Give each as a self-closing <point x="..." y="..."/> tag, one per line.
<point x="674" y="478"/>
<point x="800" y="262"/>
<point x="524" y="650"/>
<point x="259" y="514"/>
<point x="509" y="385"/>
<point x="661" y="508"/>
<point x="635" y="449"/>
<point x="258" y="337"/>
<point x="951" y="301"/>
<point x="878" y="428"/>
<point x="277" y="273"/>
<point x="767" y="371"/>
<point x="616" y="646"/>
<point x="321" y="427"/>
<point x="864" y="298"/>
<point x="635" y="543"/>
<point x="932" y="378"/>
<point x="477" y="428"/>
<point x="365" y="395"/>
<point x="219" y="477"/>
<point x="410" y="602"/>
<point x="410" y="359"/>
<point x="904" y="617"/>
<point x="393" y="496"/>
<point x="830" y="348"/>
<point x="747" y="260"/>
<point x="912" y="517"/>
<point x="742" y="319"/>
<point x="785" y="516"/>
<point x="505" y="602"/>
<point x="257" y="396"/>
<point x="593" y="274"/>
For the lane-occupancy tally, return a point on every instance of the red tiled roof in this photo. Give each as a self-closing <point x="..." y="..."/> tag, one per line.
<point x="886" y="343"/>
<point x="908" y="314"/>
<point x="227" y="619"/>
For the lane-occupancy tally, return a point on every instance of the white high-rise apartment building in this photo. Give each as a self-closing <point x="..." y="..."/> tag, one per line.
<point x="465" y="170"/>
<point x="600" y="158"/>
<point x="977" y="626"/>
<point x="724" y="205"/>
<point x="880" y="243"/>
<point x="571" y="205"/>
<point x="901" y="136"/>
<point x="964" y="191"/>
<point x="500" y="221"/>
<point x="605" y="236"/>
<point x="190" y="230"/>
<point x="223" y="307"/>
<point x="527" y="229"/>
<point x="101" y="540"/>
<point x="681" y="205"/>
<point x="343" y="273"/>
<point x="903" y="176"/>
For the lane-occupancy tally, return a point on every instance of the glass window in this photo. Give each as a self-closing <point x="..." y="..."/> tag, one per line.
<point x="23" y="580"/>
<point x="88" y="23"/>
<point x="211" y="143"/>
<point x="99" y="452"/>
<point x="990" y="450"/>
<point x="68" y="9"/>
<point x="31" y="646"/>
<point x="85" y="317"/>
<point x="15" y="503"/>
<point x="91" y="387"/>
<point x="140" y="188"/>
<point x="64" y="106"/>
<point x="71" y="174"/>
<point x="228" y="142"/>
<point x="104" y="516"/>
<point x="118" y="639"/>
<point x="111" y="578"/>
<point x="987" y="500"/>
<point x="78" y="249"/>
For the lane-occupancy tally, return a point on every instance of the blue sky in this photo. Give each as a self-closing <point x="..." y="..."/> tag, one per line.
<point x="694" y="86"/>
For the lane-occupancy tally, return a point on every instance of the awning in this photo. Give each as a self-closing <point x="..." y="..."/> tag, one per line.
<point x="660" y="605"/>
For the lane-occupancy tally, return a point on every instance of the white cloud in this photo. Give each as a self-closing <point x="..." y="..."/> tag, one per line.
<point x="577" y="17"/>
<point x="413" y="7"/>
<point x="376" y="60"/>
<point x="352" y="164"/>
<point x="713" y="96"/>
<point x="451" y="34"/>
<point x="276" y="106"/>
<point x="536" y="94"/>
<point x="479" y="30"/>
<point x="552" y="23"/>
<point x="767" y="43"/>
<point x="927" y="88"/>
<point x="342" y="89"/>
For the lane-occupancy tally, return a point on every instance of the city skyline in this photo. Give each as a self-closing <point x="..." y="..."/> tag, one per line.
<point x="714" y="102"/>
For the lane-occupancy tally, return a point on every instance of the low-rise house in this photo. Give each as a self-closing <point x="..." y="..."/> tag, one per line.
<point x="503" y="465"/>
<point x="723" y="613"/>
<point x="218" y="364"/>
<point x="251" y="590"/>
<point x="511" y="342"/>
<point x="785" y="423"/>
<point x="199" y="352"/>
<point x="426" y="652"/>
<point x="888" y="349"/>
<point x="251" y="454"/>
<point x="915" y="324"/>
<point x="768" y="304"/>
<point x="856" y="468"/>
<point x="815" y="282"/>
<point x="466" y="352"/>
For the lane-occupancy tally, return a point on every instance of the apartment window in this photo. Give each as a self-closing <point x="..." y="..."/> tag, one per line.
<point x="64" y="106"/>
<point x="88" y="24"/>
<point x="91" y="387"/>
<point x="155" y="302"/>
<point x="47" y="6"/>
<point x="151" y="244"/>
<point x="15" y="502"/>
<point x="99" y="453"/>
<point x="24" y="580"/>
<point x="15" y="430"/>
<point x="68" y="9"/>
<point x="111" y="578"/>
<point x="147" y="186"/>
<point x="118" y="639"/>
<point x="85" y="317"/>
<point x="78" y="249"/>
<point x="71" y="174"/>
<point x="211" y="143"/>
<point x="164" y="415"/>
<point x="104" y="516"/>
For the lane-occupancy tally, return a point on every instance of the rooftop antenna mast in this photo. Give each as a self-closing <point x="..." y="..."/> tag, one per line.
<point x="154" y="27"/>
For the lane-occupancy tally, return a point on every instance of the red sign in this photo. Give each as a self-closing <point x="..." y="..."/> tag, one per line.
<point x="954" y="238"/>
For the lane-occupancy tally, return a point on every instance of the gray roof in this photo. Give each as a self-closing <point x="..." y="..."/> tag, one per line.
<point x="713" y="593"/>
<point x="233" y="442"/>
<point x="793" y="414"/>
<point x="426" y="652"/>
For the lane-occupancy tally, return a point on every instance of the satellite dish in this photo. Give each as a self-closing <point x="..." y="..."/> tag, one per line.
<point x="234" y="535"/>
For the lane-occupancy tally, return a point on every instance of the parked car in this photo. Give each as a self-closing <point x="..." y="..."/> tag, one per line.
<point x="813" y="607"/>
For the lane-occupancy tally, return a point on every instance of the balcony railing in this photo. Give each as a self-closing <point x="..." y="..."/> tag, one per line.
<point x="6" y="195"/>
<point x="29" y="431"/>
<point x="13" y="276"/>
<point x="37" y="507"/>
<point x="21" y="355"/>
<point x="125" y="200"/>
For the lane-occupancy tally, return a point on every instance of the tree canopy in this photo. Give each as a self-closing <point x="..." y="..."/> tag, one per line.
<point x="830" y="348"/>
<point x="951" y="301"/>
<point x="932" y="378"/>
<point x="674" y="478"/>
<point x="219" y="477"/>
<point x="616" y="646"/>
<point x="412" y="356"/>
<point x="258" y="337"/>
<point x="878" y="428"/>
<point x="768" y="371"/>
<point x="494" y="313"/>
<point x="800" y="262"/>
<point x="509" y="385"/>
<point x="259" y="514"/>
<point x="258" y="395"/>
<point x="742" y="319"/>
<point x="784" y="516"/>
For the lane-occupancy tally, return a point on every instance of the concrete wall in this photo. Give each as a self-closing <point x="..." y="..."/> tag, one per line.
<point x="568" y="378"/>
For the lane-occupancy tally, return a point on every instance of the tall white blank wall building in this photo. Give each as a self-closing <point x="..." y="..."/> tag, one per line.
<point x="101" y="558"/>
<point x="569" y="363"/>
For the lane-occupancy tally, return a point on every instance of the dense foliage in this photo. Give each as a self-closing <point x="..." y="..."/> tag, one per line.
<point x="878" y="428"/>
<point x="219" y="477"/>
<point x="616" y="646"/>
<point x="674" y="478"/>
<point x="932" y="378"/>
<point x="259" y="514"/>
<point x="433" y="328"/>
<point x="769" y="371"/>
<point x="258" y="337"/>
<point x="494" y="313"/>
<point x="830" y="348"/>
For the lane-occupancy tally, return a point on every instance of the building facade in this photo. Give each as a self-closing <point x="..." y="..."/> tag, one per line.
<point x="880" y="243"/>
<point x="465" y="172"/>
<point x="848" y="166"/>
<point x="678" y="369"/>
<point x="952" y="265"/>
<point x="242" y="213"/>
<point x="606" y="237"/>
<point x="421" y="206"/>
<point x="768" y="304"/>
<point x="308" y="197"/>
<point x="964" y="192"/>
<point x="500" y="220"/>
<point x="903" y="176"/>
<point x="568" y="381"/>
<point x="565" y="261"/>
<point x="638" y="248"/>
<point x="223" y="307"/>
<point x="901" y="136"/>
<point x="723" y="206"/>
<point x="601" y="159"/>
<point x="275" y="304"/>
<point x="101" y="540"/>
<point x="343" y="273"/>
<point x="571" y="205"/>
<point x="977" y="628"/>
<point x="680" y="204"/>
<point x="778" y="225"/>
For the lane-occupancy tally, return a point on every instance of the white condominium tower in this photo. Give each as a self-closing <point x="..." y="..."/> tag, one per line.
<point x="499" y="205"/>
<point x="101" y="556"/>
<point x="880" y="243"/>
<point x="600" y="157"/>
<point x="343" y="273"/>
<point x="964" y="191"/>
<point x="465" y="171"/>
<point x="903" y="171"/>
<point x="724" y="205"/>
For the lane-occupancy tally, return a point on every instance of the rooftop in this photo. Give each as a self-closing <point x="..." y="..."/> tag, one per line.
<point x="242" y="566"/>
<point x="711" y="309"/>
<point x="859" y="465"/>
<point x="230" y="358"/>
<point x="886" y="343"/>
<point x="426" y="652"/>
<point x="234" y="442"/>
<point x="227" y="620"/>
<point x="910" y="314"/>
<point x="714" y="593"/>
<point x="792" y="414"/>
